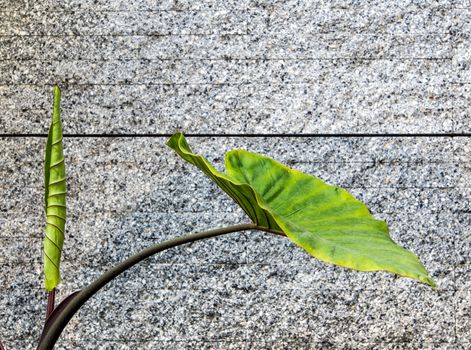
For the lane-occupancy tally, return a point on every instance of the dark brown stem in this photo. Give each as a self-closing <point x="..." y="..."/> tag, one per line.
<point x="51" y="301"/>
<point x="58" y="322"/>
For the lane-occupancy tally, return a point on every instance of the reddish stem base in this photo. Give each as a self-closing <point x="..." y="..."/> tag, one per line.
<point x="51" y="300"/>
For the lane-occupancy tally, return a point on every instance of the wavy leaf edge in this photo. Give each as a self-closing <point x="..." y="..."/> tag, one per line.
<point x="178" y="143"/>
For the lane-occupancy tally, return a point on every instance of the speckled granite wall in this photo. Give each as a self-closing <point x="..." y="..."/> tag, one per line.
<point x="237" y="67"/>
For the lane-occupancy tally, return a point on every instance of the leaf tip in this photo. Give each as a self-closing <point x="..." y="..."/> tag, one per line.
<point x="56" y="104"/>
<point x="428" y="280"/>
<point x="424" y="277"/>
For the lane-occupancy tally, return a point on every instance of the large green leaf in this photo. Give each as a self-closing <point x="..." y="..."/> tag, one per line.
<point x="325" y="220"/>
<point x="54" y="196"/>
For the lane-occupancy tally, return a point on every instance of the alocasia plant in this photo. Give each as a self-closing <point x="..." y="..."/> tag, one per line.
<point x="327" y="221"/>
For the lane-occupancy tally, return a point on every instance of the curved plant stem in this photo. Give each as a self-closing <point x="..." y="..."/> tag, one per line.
<point x="58" y="322"/>
<point x="1" y="346"/>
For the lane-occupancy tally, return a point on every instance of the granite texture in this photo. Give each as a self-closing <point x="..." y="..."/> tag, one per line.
<point x="122" y="5"/>
<point x="215" y="96"/>
<point x="236" y="67"/>
<point x="88" y="22"/>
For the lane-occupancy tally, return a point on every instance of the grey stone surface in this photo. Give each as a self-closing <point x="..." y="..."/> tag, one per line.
<point x="142" y="72"/>
<point x="224" y="67"/>
<point x="298" y="45"/>
<point x="387" y="17"/>
<point x="213" y="96"/>
<point x="217" y="46"/>
<point x="127" y="47"/>
<point x="121" y="5"/>
<point x="461" y="110"/>
<point x="121" y="23"/>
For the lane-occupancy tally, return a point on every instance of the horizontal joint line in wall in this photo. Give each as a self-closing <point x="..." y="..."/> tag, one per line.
<point x="349" y="187"/>
<point x="439" y="34"/>
<point x="224" y="58"/>
<point x="66" y="84"/>
<point x="124" y="35"/>
<point x="73" y="10"/>
<point x="276" y="341"/>
<point x="246" y="341"/>
<point x="201" y="265"/>
<point x="274" y="135"/>
<point x="232" y="8"/>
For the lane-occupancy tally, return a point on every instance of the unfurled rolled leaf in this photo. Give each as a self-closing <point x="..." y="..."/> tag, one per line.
<point x="55" y="189"/>
<point x="325" y="220"/>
